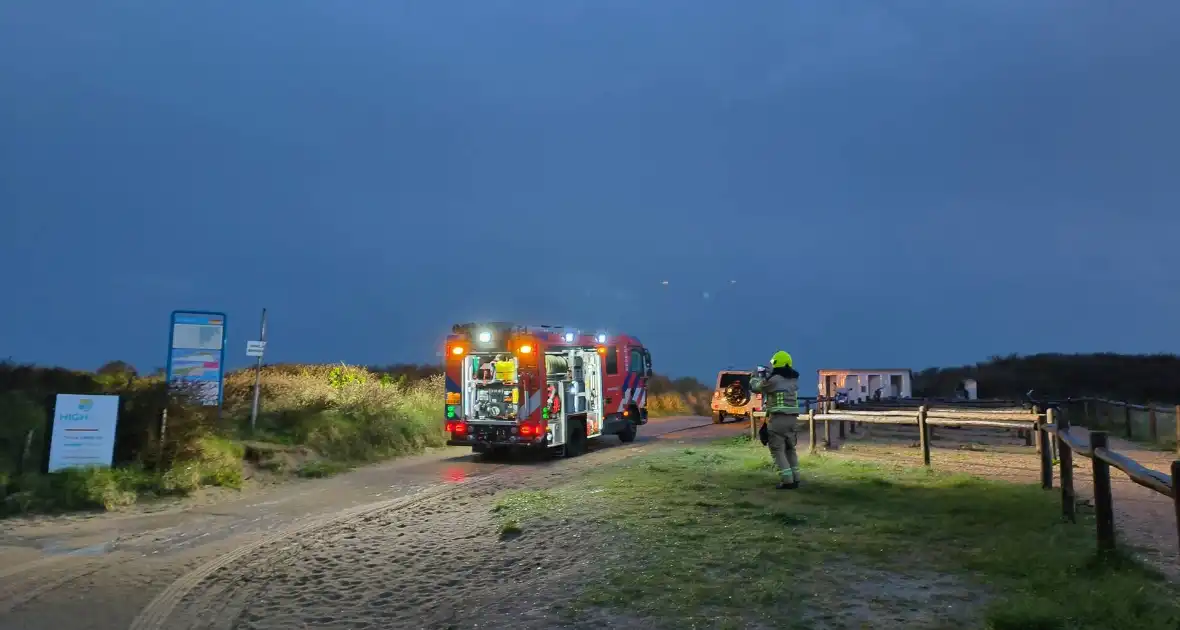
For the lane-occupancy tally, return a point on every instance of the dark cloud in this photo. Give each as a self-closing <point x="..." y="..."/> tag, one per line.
<point x="911" y="185"/>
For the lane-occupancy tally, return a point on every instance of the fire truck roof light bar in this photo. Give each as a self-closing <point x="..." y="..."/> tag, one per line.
<point x="487" y="332"/>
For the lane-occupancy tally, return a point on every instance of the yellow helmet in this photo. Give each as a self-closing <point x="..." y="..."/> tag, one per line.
<point x="781" y="359"/>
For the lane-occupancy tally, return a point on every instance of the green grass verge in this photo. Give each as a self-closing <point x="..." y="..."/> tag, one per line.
<point x="216" y="462"/>
<point x="708" y="542"/>
<point x="316" y="421"/>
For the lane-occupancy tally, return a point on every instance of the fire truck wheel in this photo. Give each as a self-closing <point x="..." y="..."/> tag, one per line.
<point x="492" y="453"/>
<point x="718" y="417"/>
<point x="576" y="443"/>
<point x="628" y="435"/>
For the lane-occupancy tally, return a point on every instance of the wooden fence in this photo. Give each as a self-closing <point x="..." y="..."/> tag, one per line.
<point x="1051" y="428"/>
<point x="1154" y="424"/>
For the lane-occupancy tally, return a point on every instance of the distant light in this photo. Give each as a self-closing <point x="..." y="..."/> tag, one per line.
<point x="664" y="282"/>
<point x="569" y="337"/>
<point x="601" y="338"/>
<point x="485" y="337"/>
<point x="525" y="349"/>
<point x="457" y="350"/>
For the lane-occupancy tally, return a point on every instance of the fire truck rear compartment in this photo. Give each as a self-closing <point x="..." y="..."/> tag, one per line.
<point x="572" y="406"/>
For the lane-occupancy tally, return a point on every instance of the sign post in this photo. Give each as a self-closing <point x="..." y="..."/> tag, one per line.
<point x="83" y="432"/>
<point x="257" y="349"/>
<point x="196" y="354"/>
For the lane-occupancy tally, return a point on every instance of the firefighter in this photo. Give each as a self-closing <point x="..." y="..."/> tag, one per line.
<point x="780" y="401"/>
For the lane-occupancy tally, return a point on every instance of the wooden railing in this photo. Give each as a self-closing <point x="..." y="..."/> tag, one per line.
<point x="1050" y="428"/>
<point x="924" y="418"/>
<point x="1102" y="458"/>
<point x="1128" y="418"/>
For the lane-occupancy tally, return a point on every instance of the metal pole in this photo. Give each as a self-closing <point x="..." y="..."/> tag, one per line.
<point x="258" y="376"/>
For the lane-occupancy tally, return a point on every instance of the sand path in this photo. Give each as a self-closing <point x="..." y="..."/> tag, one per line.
<point x="100" y="572"/>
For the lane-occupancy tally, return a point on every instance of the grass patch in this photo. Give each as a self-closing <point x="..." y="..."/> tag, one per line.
<point x="321" y="468"/>
<point x="678" y="404"/>
<point x="316" y="421"/>
<point x="710" y="541"/>
<point x="214" y="462"/>
<point x="343" y="414"/>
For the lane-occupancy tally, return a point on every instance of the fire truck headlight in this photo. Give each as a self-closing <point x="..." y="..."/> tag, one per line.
<point x="485" y="337"/>
<point x="601" y="338"/>
<point x="569" y="337"/>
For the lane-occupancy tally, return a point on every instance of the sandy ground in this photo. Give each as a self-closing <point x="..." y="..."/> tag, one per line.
<point x="100" y="572"/>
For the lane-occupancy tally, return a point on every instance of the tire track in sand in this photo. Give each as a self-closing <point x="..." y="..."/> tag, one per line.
<point x="156" y="615"/>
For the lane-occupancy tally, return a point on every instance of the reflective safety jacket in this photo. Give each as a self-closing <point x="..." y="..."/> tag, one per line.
<point x="779" y="394"/>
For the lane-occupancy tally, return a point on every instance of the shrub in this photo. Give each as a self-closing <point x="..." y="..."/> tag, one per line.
<point x="344" y="413"/>
<point x="73" y="489"/>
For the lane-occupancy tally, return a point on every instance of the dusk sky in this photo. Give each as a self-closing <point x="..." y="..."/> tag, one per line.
<point x="891" y="184"/>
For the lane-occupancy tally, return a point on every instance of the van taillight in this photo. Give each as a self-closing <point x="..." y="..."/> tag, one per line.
<point x="456" y="427"/>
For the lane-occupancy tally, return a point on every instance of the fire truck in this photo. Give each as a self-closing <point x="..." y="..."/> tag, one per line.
<point x="512" y="388"/>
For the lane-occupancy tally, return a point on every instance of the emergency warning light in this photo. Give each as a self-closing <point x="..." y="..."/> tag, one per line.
<point x="601" y="338"/>
<point x="569" y="337"/>
<point x="485" y="337"/>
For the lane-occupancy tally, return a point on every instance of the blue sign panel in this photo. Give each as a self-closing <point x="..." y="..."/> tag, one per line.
<point x="196" y="353"/>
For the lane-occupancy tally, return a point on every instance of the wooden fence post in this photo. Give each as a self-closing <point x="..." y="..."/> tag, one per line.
<point x="828" y="432"/>
<point x="1153" y="429"/>
<point x="161" y="450"/>
<point x="25" y="452"/>
<point x="811" y="431"/>
<point x="1103" y="499"/>
<point x="1028" y="434"/>
<point x="1127" y="419"/>
<point x="1176" y="493"/>
<point x="924" y="436"/>
<point x="1068" y="498"/>
<point x="1177" y="430"/>
<point x="1046" y="450"/>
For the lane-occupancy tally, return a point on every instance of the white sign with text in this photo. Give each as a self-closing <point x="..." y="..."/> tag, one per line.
<point x="83" y="431"/>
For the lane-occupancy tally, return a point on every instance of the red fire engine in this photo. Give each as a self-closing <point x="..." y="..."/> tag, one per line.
<point x="542" y="387"/>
